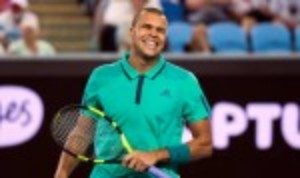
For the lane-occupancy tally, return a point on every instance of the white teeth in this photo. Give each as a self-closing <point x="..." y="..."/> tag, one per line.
<point x="150" y="44"/>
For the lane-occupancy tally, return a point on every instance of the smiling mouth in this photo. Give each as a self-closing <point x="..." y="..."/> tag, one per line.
<point x="151" y="44"/>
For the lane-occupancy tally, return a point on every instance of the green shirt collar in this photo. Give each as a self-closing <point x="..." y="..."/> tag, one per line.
<point x="132" y="73"/>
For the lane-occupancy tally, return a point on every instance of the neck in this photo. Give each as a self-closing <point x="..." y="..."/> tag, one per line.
<point x="140" y="63"/>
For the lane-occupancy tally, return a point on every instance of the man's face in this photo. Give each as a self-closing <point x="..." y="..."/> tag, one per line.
<point x="149" y="35"/>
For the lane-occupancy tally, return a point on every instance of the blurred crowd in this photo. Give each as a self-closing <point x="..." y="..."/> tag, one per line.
<point x="205" y="26"/>
<point x="20" y="31"/>
<point x="112" y="20"/>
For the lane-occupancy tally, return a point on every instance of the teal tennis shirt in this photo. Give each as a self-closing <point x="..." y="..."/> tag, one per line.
<point x="151" y="108"/>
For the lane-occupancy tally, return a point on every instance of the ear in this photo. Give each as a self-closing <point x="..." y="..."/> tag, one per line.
<point x="131" y="29"/>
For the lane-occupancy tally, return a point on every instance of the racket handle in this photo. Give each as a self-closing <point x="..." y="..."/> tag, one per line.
<point x="157" y="172"/>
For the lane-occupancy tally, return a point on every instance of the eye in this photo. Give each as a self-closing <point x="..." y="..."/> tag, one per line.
<point x="161" y="30"/>
<point x="146" y="26"/>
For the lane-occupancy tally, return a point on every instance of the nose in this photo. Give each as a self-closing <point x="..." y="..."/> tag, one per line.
<point x="153" y="32"/>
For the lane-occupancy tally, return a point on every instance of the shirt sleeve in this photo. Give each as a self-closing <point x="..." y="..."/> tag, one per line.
<point x="90" y="95"/>
<point x="195" y="105"/>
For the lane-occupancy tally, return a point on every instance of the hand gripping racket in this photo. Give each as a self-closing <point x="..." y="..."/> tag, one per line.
<point x="79" y="130"/>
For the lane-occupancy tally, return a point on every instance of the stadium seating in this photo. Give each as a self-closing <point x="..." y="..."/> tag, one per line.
<point x="227" y="37"/>
<point x="63" y="24"/>
<point x="173" y="10"/>
<point x="270" y="38"/>
<point x="179" y="34"/>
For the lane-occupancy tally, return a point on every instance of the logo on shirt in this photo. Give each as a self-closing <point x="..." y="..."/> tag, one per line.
<point x="166" y="93"/>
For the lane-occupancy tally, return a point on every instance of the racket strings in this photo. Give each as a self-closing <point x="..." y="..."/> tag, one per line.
<point x="74" y="132"/>
<point x="92" y="138"/>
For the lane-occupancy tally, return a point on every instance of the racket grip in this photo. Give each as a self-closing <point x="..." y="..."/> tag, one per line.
<point x="157" y="172"/>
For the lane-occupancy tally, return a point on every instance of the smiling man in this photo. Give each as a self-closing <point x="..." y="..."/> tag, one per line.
<point x="152" y="100"/>
<point x="148" y="33"/>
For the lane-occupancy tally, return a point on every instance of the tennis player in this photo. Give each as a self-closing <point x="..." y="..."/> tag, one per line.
<point x="151" y="99"/>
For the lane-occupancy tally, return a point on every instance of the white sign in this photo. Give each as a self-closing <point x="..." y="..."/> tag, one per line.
<point x="21" y="115"/>
<point x="231" y="120"/>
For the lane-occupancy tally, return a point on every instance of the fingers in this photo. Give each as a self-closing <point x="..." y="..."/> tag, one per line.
<point x="133" y="161"/>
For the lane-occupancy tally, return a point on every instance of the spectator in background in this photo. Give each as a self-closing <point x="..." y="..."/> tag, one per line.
<point x="2" y="37"/>
<point x="2" y="51"/>
<point x="252" y="12"/>
<point x="209" y="11"/>
<point x="112" y="22"/>
<point x="88" y="6"/>
<point x="287" y="12"/>
<point x="4" y="4"/>
<point x="11" y="18"/>
<point x="202" y="13"/>
<point x="30" y="44"/>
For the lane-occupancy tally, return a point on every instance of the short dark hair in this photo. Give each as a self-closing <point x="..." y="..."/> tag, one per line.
<point x="146" y="9"/>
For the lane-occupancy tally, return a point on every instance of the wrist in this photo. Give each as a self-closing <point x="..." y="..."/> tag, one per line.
<point x="161" y="155"/>
<point x="179" y="153"/>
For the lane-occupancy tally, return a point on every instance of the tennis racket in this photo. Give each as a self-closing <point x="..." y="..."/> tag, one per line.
<point x="79" y="130"/>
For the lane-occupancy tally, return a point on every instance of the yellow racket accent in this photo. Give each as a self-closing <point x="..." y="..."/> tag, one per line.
<point x="124" y="140"/>
<point x="83" y="158"/>
<point x="114" y="124"/>
<point x="99" y="161"/>
<point x="100" y="113"/>
<point x="126" y="144"/>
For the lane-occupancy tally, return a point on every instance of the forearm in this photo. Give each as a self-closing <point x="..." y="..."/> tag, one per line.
<point x="66" y="165"/>
<point x="185" y="152"/>
<point x="181" y="153"/>
<point x="162" y="155"/>
<point x="195" y="149"/>
<point x="200" y="148"/>
<point x="201" y="144"/>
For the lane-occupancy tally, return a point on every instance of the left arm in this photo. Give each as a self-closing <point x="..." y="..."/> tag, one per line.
<point x="195" y="110"/>
<point x="201" y="144"/>
<point x="200" y="147"/>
